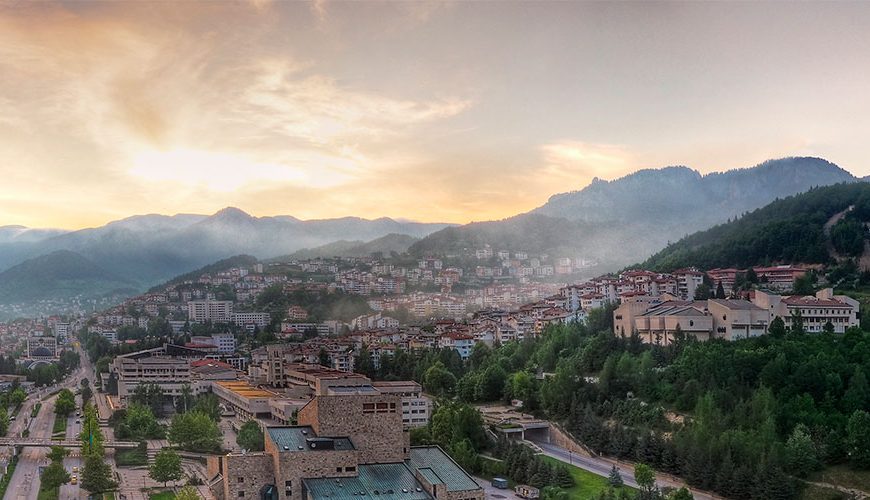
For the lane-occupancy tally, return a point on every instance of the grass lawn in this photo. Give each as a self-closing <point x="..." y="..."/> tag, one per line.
<point x="163" y="495"/>
<point x="587" y="484"/>
<point x="59" y="426"/>
<point x="843" y="475"/>
<point x="52" y="494"/>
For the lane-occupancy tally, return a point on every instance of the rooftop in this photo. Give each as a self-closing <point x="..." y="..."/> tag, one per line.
<point x="303" y="438"/>
<point x="244" y="389"/>
<point x="383" y="481"/>
<point x="440" y="465"/>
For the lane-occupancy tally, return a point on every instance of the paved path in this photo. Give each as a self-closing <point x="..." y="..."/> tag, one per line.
<point x="602" y="467"/>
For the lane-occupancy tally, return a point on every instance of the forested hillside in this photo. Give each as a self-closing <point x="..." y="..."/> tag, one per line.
<point x="791" y="230"/>
<point x="744" y="418"/>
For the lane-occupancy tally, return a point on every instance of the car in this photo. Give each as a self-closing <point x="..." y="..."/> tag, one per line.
<point x="78" y="421"/>
<point x="73" y="480"/>
<point x="75" y="468"/>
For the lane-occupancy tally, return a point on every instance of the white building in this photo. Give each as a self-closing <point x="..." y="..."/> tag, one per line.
<point x="258" y="319"/>
<point x="200" y="311"/>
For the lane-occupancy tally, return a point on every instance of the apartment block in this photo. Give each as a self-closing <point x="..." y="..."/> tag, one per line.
<point x="200" y="311"/>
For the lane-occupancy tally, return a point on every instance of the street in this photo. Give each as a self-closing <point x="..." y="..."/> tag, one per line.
<point x="602" y="466"/>
<point x="24" y="484"/>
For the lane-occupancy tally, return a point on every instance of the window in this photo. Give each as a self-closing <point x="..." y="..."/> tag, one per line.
<point x="241" y="479"/>
<point x="241" y="494"/>
<point x="288" y="484"/>
<point x="350" y="469"/>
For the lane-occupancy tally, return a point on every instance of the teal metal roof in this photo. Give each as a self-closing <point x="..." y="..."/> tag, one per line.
<point x="303" y="438"/>
<point x="432" y="462"/>
<point x="374" y="481"/>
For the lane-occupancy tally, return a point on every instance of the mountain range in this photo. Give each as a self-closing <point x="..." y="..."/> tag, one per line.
<point x="615" y="222"/>
<point x="626" y="220"/>
<point x="141" y="251"/>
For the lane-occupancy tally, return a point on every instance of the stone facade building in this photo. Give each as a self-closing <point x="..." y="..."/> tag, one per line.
<point x="350" y="442"/>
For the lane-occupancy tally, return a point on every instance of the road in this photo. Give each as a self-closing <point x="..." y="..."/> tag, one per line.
<point x="24" y="484"/>
<point x="602" y="467"/>
<point x="73" y="430"/>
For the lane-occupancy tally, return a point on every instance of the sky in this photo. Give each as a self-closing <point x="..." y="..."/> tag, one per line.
<point x="449" y="112"/>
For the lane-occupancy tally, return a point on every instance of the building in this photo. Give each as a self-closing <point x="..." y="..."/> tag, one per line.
<point x="42" y="348"/>
<point x="218" y="311"/>
<point x="250" y="320"/>
<point x="702" y="319"/>
<point x="416" y="407"/>
<point x="224" y="343"/>
<point x="350" y="442"/>
<point x="815" y="310"/>
<point x="169" y="373"/>
<point x="246" y="400"/>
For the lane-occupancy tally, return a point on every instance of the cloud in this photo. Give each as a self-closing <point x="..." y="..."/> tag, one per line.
<point x="575" y="159"/>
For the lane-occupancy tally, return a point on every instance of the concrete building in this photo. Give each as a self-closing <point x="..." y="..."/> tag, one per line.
<point x="815" y="310"/>
<point x="416" y="407"/>
<point x="42" y="348"/>
<point x="171" y="374"/>
<point x="252" y="319"/>
<point x="219" y="311"/>
<point x="349" y="443"/>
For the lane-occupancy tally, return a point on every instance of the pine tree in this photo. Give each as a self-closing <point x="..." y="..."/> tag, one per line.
<point x="615" y="478"/>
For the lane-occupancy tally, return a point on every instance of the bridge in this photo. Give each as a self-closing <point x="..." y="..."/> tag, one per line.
<point x="66" y="443"/>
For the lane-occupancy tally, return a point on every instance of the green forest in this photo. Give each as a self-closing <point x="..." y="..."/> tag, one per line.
<point x="747" y="419"/>
<point x="789" y="230"/>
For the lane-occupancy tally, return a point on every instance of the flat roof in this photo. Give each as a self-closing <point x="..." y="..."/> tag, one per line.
<point x="244" y="389"/>
<point x="442" y="466"/>
<point x="301" y="438"/>
<point x="382" y="481"/>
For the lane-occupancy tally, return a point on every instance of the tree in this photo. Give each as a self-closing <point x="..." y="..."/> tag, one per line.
<point x="615" y="478"/>
<point x="57" y="453"/>
<point x="97" y="474"/>
<point x="4" y="421"/>
<point x="166" y="467"/>
<point x="65" y="404"/>
<point x="437" y="380"/>
<point x="323" y="358"/>
<point x="209" y="405"/>
<point x="777" y="327"/>
<point x="720" y="291"/>
<point x="17" y="397"/>
<point x="800" y="452"/>
<point x="681" y="494"/>
<point x="646" y="479"/>
<point x="187" y="493"/>
<point x="139" y="424"/>
<point x="251" y="437"/>
<point x="150" y="395"/>
<point x="54" y="476"/>
<point x="185" y="400"/>
<point x="195" y="431"/>
<point x="857" y="396"/>
<point x="858" y="439"/>
<point x="87" y="394"/>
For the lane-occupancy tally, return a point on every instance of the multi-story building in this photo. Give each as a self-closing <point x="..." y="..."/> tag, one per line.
<point x="128" y="371"/>
<point x="416" y="407"/>
<point x="815" y="311"/>
<point x="42" y="348"/>
<point x="252" y="319"/>
<point x="200" y="311"/>
<point x="350" y="442"/>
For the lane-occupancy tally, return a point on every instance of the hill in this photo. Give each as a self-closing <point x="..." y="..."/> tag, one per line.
<point x="811" y="228"/>
<point x="58" y="275"/>
<point x="622" y="221"/>
<point x="398" y="243"/>
<point x="148" y="249"/>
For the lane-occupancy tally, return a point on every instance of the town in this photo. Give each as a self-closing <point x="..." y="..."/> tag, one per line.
<point x="308" y="352"/>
